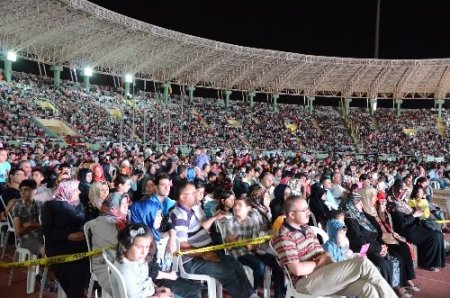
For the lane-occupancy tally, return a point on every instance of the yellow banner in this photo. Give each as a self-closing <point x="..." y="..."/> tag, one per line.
<point x="228" y="245"/>
<point x="55" y="259"/>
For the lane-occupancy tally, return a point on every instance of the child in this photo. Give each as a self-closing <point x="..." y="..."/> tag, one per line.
<point x="418" y="202"/>
<point x="226" y="202"/>
<point x="337" y="245"/>
<point x="242" y="226"/>
<point x="134" y="250"/>
<point x="25" y="214"/>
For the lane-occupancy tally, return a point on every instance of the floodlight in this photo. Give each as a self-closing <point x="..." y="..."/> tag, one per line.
<point x="128" y="78"/>
<point x="11" y="56"/>
<point x="88" y="71"/>
<point x="374" y="104"/>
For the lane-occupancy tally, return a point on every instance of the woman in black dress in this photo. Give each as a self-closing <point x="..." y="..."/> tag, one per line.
<point x="63" y="219"/>
<point x="430" y="244"/>
<point x="364" y="229"/>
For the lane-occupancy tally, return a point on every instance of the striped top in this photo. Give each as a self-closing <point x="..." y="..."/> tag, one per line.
<point x="188" y="228"/>
<point x="292" y="245"/>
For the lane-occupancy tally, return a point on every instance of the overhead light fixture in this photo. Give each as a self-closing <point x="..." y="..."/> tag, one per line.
<point x="128" y="78"/>
<point x="11" y="56"/>
<point x="88" y="71"/>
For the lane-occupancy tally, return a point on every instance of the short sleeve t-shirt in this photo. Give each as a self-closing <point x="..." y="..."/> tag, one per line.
<point x="5" y="167"/>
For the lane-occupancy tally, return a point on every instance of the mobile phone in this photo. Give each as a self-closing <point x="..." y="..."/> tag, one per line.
<point x="364" y="249"/>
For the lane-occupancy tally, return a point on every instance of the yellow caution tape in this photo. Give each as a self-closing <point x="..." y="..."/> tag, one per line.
<point x="55" y="260"/>
<point x="228" y="245"/>
<point x="443" y="221"/>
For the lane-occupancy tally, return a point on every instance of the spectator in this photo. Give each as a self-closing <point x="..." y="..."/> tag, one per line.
<point x="62" y="222"/>
<point x="312" y="270"/>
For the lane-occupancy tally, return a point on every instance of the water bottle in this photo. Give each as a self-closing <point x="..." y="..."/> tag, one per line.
<point x="167" y="262"/>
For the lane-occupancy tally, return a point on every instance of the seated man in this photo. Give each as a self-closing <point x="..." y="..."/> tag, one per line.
<point x="312" y="270"/>
<point x="25" y="214"/>
<point x="192" y="233"/>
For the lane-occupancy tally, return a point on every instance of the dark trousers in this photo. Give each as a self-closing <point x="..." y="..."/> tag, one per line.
<point x="73" y="277"/>
<point x="181" y="287"/>
<point x="229" y="273"/>
<point x="258" y="263"/>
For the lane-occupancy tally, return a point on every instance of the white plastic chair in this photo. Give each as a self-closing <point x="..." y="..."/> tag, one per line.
<point x="118" y="286"/>
<point x="88" y="236"/>
<point x="435" y="184"/>
<point x="9" y="229"/>
<point x="214" y="287"/>
<point x="3" y="240"/>
<point x="321" y="232"/>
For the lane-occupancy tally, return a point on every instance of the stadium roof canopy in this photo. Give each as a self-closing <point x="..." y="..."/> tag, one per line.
<point x="77" y="33"/>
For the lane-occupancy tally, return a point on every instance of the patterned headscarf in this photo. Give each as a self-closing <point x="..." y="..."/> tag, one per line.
<point x="397" y="200"/>
<point x="111" y="208"/>
<point x="65" y="191"/>
<point x="94" y="194"/>
<point x="351" y="211"/>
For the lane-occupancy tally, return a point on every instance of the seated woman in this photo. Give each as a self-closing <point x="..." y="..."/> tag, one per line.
<point x="134" y="250"/>
<point x="85" y="183"/>
<point x="260" y="200"/>
<point x="104" y="228"/>
<point x="396" y="242"/>
<point x="62" y="222"/>
<point x="430" y="244"/>
<point x="364" y="229"/>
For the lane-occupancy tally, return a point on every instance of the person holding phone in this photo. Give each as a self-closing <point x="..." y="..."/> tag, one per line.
<point x="363" y="229"/>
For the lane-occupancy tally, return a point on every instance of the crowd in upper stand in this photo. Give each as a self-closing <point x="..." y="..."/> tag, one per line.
<point x="103" y="115"/>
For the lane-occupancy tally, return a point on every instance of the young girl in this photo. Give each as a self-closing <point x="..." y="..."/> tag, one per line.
<point x="134" y="250"/>
<point x="226" y="202"/>
<point x="418" y="202"/>
<point x="337" y="245"/>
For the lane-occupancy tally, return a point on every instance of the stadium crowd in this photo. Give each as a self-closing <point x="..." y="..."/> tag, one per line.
<point x="103" y="115"/>
<point x="200" y="199"/>
<point x="150" y="203"/>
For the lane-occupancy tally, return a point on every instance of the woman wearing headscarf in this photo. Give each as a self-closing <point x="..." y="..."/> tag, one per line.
<point x="63" y="218"/>
<point x="396" y="242"/>
<point x="98" y="174"/>
<point x="260" y="200"/>
<point x="317" y="204"/>
<point x="85" y="183"/>
<point x="363" y="229"/>
<point x="113" y="218"/>
<point x="281" y="193"/>
<point x="430" y="244"/>
<point x="98" y="192"/>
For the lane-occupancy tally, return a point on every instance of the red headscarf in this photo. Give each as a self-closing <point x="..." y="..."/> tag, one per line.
<point x="95" y="177"/>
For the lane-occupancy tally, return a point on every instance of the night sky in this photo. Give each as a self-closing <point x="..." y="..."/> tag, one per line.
<point x="345" y="28"/>
<point x="410" y="29"/>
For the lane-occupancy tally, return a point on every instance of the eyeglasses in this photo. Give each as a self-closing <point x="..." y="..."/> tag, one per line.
<point x="189" y="193"/>
<point x="302" y="210"/>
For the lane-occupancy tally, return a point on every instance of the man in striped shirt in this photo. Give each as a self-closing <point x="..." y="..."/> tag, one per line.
<point x="192" y="233"/>
<point x="312" y="270"/>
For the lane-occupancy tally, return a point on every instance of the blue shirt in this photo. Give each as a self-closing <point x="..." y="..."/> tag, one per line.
<point x="144" y="211"/>
<point x="5" y="167"/>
